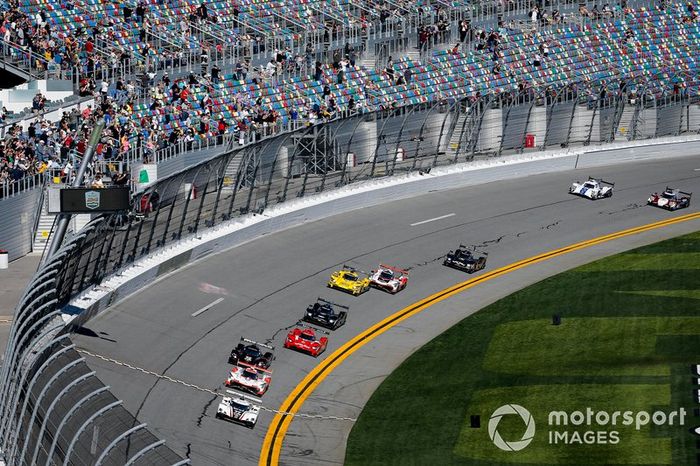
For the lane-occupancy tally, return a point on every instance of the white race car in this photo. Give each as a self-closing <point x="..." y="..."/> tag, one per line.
<point x="238" y="408"/>
<point x="252" y="379"/>
<point x="592" y="189"/>
<point x="389" y="278"/>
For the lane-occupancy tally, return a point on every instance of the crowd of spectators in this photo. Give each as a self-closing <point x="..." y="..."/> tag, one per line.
<point x="151" y="112"/>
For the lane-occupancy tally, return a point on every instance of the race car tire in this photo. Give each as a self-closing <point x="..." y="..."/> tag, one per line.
<point x="218" y="415"/>
<point x="250" y="425"/>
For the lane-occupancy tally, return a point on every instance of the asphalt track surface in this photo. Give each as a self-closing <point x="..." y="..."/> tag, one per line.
<point x="271" y="280"/>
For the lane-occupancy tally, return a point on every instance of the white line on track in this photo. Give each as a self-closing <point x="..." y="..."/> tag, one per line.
<point x="207" y="307"/>
<point x="696" y="169"/>
<point x="432" y="219"/>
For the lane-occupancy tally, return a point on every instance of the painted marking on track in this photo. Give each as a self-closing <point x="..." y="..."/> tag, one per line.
<point x="272" y="444"/>
<point x="432" y="219"/>
<point x="207" y="307"/>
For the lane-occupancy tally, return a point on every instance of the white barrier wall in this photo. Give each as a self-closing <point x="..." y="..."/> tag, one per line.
<point x="537" y="125"/>
<point x="365" y="141"/>
<point x="491" y="130"/>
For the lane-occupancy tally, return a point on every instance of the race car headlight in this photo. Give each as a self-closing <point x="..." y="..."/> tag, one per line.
<point x="309" y="313"/>
<point x="331" y="320"/>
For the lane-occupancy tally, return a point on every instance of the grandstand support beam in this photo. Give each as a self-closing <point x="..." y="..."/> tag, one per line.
<point x="443" y="134"/>
<point x="160" y="242"/>
<point x="273" y="167"/>
<point x="189" y="194"/>
<point x="290" y="163"/>
<point x="221" y="176"/>
<point x="387" y="171"/>
<point x="475" y="133"/>
<point x="252" y="187"/>
<point x="571" y="118"/>
<point x="421" y="137"/>
<point x="63" y="219"/>
<point x="103" y="257"/>
<point x="338" y="150"/>
<point x="470" y="111"/>
<point x="346" y="153"/>
<point x="381" y="140"/>
<point x="590" y="127"/>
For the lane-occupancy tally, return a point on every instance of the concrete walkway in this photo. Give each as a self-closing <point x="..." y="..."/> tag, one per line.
<point x="13" y="280"/>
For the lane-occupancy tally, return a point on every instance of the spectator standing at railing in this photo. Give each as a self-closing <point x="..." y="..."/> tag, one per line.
<point x="38" y="103"/>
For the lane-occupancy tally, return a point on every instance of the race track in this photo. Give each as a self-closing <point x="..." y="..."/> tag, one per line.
<point x="271" y="280"/>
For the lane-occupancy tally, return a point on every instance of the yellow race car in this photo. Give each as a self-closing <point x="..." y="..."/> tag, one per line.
<point x="349" y="280"/>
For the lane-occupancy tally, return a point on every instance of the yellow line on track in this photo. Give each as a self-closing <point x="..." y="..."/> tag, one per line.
<point x="272" y="445"/>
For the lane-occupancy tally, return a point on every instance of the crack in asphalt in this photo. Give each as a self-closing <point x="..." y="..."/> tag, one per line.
<point x="488" y="242"/>
<point x="204" y="411"/>
<point x="550" y="226"/>
<point x="424" y="263"/>
<point x="274" y="335"/>
<point x="625" y="209"/>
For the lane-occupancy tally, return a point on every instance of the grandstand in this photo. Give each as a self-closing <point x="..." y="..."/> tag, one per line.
<point x="262" y="101"/>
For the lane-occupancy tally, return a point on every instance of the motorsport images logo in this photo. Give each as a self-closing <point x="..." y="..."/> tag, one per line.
<point x="587" y="426"/>
<point x="529" y="427"/>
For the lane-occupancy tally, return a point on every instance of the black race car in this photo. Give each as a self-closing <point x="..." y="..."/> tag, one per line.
<point x="466" y="260"/>
<point x="251" y="354"/>
<point x="323" y="313"/>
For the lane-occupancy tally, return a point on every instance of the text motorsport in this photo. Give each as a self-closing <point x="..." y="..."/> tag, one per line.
<point x="559" y="421"/>
<point x="586" y="427"/>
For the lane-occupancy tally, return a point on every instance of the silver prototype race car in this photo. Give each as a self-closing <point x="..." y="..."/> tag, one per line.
<point x="592" y="189"/>
<point x="238" y="408"/>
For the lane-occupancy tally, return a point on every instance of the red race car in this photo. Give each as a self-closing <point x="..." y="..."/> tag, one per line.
<point x="304" y="339"/>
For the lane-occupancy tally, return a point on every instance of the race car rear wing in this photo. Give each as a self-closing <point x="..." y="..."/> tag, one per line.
<point x="320" y="299"/>
<point x="394" y="269"/>
<point x="601" y="181"/>
<point x="353" y="269"/>
<point x="252" y="342"/>
<point x="315" y="329"/>
<point x="259" y="369"/>
<point x="676" y="191"/>
<point x="473" y="248"/>
<point x="242" y="395"/>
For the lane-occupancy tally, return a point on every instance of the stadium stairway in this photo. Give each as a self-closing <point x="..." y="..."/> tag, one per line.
<point x="457" y="133"/>
<point x="44" y="228"/>
<point x="624" y="128"/>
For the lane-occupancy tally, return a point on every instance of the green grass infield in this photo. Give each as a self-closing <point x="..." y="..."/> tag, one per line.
<point x="629" y="334"/>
